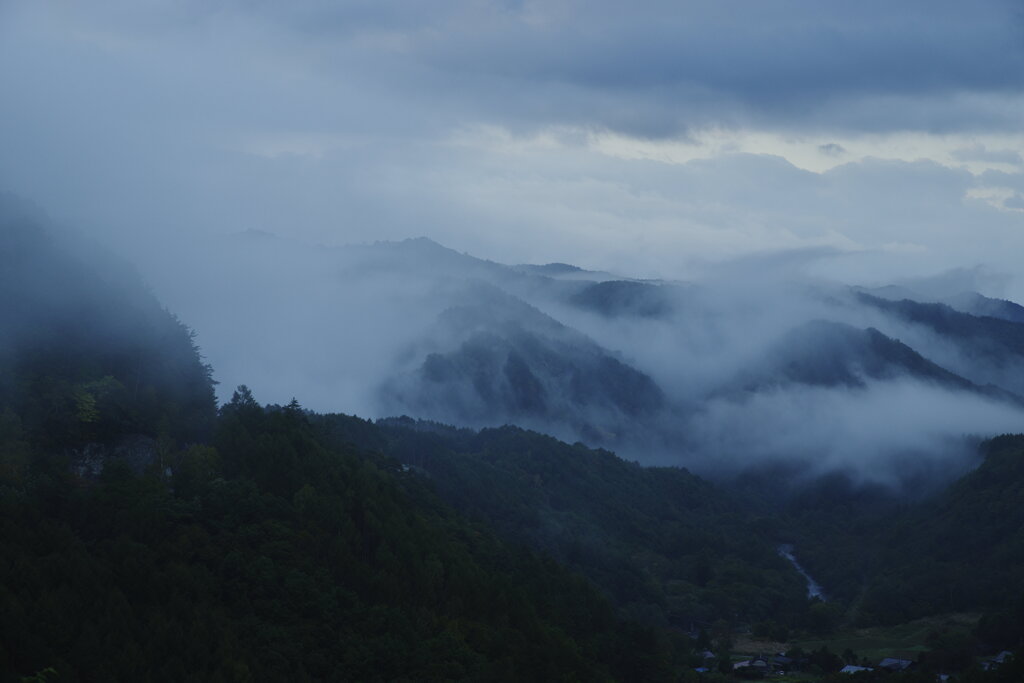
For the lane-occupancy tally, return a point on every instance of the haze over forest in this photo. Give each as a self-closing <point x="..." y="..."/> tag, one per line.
<point x="719" y="374"/>
<point x="746" y="173"/>
<point x="650" y="141"/>
<point x="511" y="340"/>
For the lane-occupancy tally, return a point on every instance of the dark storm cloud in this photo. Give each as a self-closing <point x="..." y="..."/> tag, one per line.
<point x="353" y="121"/>
<point x="661" y="67"/>
<point x="656" y="68"/>
<point x="162" y="127"/>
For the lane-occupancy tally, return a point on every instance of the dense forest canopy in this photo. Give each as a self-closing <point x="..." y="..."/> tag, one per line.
<point x="724" y="374"/>
<point x="512" y="340"/>
<point x="87" y="354"/>
<point x="236" y="545"/>
<point x="148" y="534"/>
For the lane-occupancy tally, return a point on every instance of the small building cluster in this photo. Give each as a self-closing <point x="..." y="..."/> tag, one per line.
<point x="766" y="665"/>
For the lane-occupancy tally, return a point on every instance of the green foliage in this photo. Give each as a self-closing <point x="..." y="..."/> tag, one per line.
<point x="959" y="550"/>
<point x="669" y="548"/>
<point x="823" y="617"/>
<point x="1003" y="627"/>
<point x="87" y="354"/>
<point x="270" y="552"/>
<point x="47" y="674"/>
<point x="289" y="546"/>
<point x="275" y="556"/>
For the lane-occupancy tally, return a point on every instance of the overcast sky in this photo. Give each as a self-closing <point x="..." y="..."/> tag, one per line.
<point x="882" y="139"/>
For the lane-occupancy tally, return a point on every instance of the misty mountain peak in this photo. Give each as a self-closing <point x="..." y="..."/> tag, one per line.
<point x="962" y="301"/>
<point x="828" y="353"/>
<point x="666" y="372"/>
<point x="550" y="269"/>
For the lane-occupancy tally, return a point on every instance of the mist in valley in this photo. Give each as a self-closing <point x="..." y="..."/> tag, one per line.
<point x="720" y="375"/>
<point x="505" y="339"/>
<point x="366" y="210"/>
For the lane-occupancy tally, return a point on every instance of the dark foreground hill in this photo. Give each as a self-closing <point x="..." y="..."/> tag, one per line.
<point x="271" y="557"/>
<point x="87" y="354"/>
<point x="959" y="550"/>
<point x="146" y="535"/>
<point x="666" y="546"/>
<point x="237" y="546"/>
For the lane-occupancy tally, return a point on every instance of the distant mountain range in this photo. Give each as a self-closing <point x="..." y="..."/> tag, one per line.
<point x="407" y="548"/>
<point x="662" y="372"/>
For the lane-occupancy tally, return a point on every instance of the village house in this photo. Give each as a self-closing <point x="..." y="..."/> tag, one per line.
<point x="893" y="664"/>
<point x="851" y="669"/>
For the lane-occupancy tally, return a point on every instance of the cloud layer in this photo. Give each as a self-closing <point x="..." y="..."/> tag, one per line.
<point x="648" y="139"/>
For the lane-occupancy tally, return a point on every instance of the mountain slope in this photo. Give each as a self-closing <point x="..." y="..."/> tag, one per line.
<point x="663" y="372"/>
<point x="829" y="354"/>
<point x="506" y="362"/>
<point x="961" y="550"/>
<point x="891" y="559"/>
<point x="87" y="353"/>
<point x="981" y="348"/>
<point x="666" y="546"/>
<point x="968" y="302"/>
<point x="987" y="335"/>
<point x="614" y="298"/>
<point x="274" y="556"/>
<point x="260" y="553"/>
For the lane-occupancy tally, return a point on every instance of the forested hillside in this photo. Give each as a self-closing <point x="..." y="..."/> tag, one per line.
<point x="668" y="547"/>
<point x="239" y="546"/>
<point x="961" y="549"/>
<point x="148" y="535"/>
<point x="87" y="354"/>
<point x="271" y="557"/>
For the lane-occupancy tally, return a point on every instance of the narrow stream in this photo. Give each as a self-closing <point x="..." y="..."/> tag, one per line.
<point x="814" y="589"/>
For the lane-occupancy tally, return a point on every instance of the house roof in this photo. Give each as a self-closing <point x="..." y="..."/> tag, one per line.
<point x="994" y="662"/>
<point x="895" y="664"/>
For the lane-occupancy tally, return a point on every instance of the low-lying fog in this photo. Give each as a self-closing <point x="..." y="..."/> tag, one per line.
<point x="731" y="372"/>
